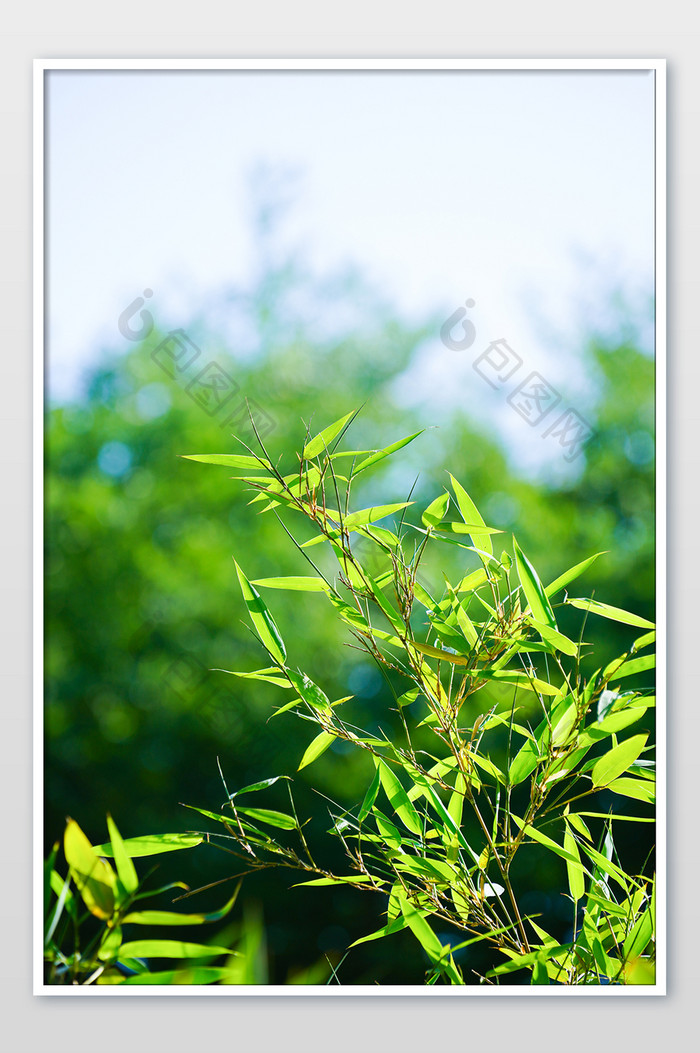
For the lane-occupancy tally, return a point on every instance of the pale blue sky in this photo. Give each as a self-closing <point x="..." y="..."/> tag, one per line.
<point x="438" y="185"/>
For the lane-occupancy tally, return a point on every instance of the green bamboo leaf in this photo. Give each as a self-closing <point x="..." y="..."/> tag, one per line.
<point x="437" y="652"/>
<point x="643" y="641"/>
<point x="48" y="871"/>
<point x="556" y="639"/>
<point x="473" y="581"/>
<point x="387" y="930"/>
<point x="617" y="760"/>
<point x="95" y="879"/>
<point x="254" y="786"/>
<point x="171" y="949"/>
<point x="469" y="528"/>
<point x="266" y="676"/>
<point x="635" y="665"/>
<point x="381" y="454"/>
<point x="523" y="680"/>
<point x="202" y="974"/>
<point x="611" y="724"/>
<point x="354" y="521"/>
<point x="571" y="574"/>
<point x="524" y="961"/>
<point x="370" y="515"/>
<point x="616" y="816"/>
<point x="387" y="831"/>
<point x="310" y="692"/>
<point x="421" y="930"/>
<point x="398" y="798"/>
<point x="321" y="442"/>
<point x="638" y="789"/>
<point x="607" y="866"/>
<point x="637" y="941"/>
<point x="436" y="511"/>
<point x="122" y="860"/>
<point x="171" y="917"/>
<point x="315" y="748"/>
<point x="350" y="879"/>
<point x="261" y="618"/>
<point x="428" y="940"/>
<point x="292" y="584"/>
<point x="488" y="766"/>
<point x="532" y="587"/>
<point x="547" y="842"/>
<point x="470" y="514"/>
<point x="152" y="844"/>
<point x="229" y="460"/>
<point x="370" y="797"/>
<point x="265" y="815"/>
<point x="577" y="885"/>
<point x="615" y="614"/>
<point x="216" y="816"/>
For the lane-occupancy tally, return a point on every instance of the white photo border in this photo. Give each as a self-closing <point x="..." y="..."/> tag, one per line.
<point x="44" y="66"/>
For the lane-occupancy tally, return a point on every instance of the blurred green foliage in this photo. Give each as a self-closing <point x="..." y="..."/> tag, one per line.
<point x="141" y="594"/>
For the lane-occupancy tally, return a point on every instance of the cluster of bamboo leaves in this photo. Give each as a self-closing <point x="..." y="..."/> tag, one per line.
<point x="446" y="813"/>
<point x="87" y="911"/>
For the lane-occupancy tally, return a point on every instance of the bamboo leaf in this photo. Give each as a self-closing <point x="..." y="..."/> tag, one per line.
<point x="265" y="815"/>
<point x="370" y="797"/>
<point x="636" y="665"/>
<point x="637" y="789"/>
<point x="381" y="454"/>
<point x="615" y="614"/>
<point x="617" y="760"/>
<point x="95" y="879"/>
<point x="153" y="844"/>
<point x="171" y="949"/>
<point x="398" y="798"/>
<point x="171" y="917"/>
<point x="229" y="460"/>
<point x="577" y="885"/>
<point x="532" y="587"/>
<point x="321" y="442"/>
<point x="314" y="750"/>
<point x="261" y="618"/>
<point x="470" y="514"/>
<point x="202" y="974"/>
<point x="293" y="584"/>
<point x="122" y="860"/>
<point x="571" y="574"/>
<point x="436" y="511"/>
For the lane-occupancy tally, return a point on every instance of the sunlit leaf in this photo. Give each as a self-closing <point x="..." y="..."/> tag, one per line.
<point x="606" y="611"/>
<point x="398" y="798"/>
<point x="265" y="815"/>
<point x="638" y="789"/>
<point x="197" y="975"/>
<point x="153" y="844"/>
<point x="532" y="587"/>
<point x="381" y="454"/>
<point x="323" y="440"/>
<point x="261" y="618"/>
<point x="229" y="460"/>
<point x="315" y="748"/>
<point x="170" y="917"/>
<point x="617" y="760"/>
<point x="370" y="797"/>
<point x="436" y="510"/>
<point x="571" y="574"/>
<point x="292" y="584"/>
<point x="470" y="514"/>
<point x="171" y="949"/>
<point x="95" y="879"/>
<point x="122" y="860"/>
